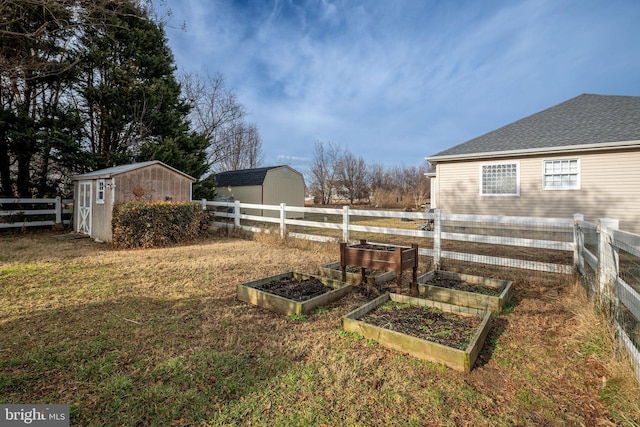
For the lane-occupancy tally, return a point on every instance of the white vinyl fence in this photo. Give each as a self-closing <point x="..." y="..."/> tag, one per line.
<point x="437" y="227"/>
<point x="609" y="263"/>
<point x="607" y="259"/>
<point x="21" y="213"/>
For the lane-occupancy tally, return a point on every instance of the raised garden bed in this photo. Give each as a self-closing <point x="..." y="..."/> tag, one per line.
<point x="400" y="334"/>
<point x="466" y="290"/>
<point x="292" y="292"/>
<point x="354" y="274"/>
<point x="379" y="257"/>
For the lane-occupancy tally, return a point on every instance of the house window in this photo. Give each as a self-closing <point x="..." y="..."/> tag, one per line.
<point x="100" y="191"/>
<point x="500" y="179"/>
<point x="561" y="174"/>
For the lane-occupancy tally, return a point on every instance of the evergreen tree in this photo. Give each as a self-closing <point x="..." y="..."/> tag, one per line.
<point x="85" y="85"/>
<point x="130" y="98"/>
<point x="36" y="66"/>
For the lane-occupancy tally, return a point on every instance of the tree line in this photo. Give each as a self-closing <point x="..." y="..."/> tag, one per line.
<point x="89" y="84"/>
<point x="339" y="176"/>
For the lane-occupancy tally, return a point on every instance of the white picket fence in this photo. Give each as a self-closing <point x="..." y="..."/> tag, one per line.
<point x="20" y="217"/>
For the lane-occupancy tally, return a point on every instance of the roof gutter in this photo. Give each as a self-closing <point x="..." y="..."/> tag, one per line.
<point x="545" y="150"/>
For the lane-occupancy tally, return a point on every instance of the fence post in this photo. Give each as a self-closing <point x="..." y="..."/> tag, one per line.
<point x="607" y="258"/>
<point x="437" y="238"/>
<point x="203" y="202"/>
<point x="58" y="210"/>
<point x="345" y="224"/>
<point x="236" y="213"/>
<point x="283" y="219"/>
<point x="578" y="242"/>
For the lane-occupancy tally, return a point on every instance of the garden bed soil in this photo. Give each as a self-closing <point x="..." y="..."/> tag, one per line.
<point x="455" y="339"/>
<point x="459" y="285"/>
<point x="427" y="323"/>
<point x="466" y="290"/>
<point x="354" y="274"/>
<point x="292" y="292"/>
<point x="295" y="289"/>
<point x="372" y="247"/>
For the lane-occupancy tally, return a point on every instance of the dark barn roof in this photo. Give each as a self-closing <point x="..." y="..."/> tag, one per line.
<point x="583" y="120"/>
<point x="242" y="177"/>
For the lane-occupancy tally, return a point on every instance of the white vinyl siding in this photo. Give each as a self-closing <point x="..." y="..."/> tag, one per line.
<point x="500" y="179"/>
<point x="562" y="174"/>
<point x="609" y="187"/>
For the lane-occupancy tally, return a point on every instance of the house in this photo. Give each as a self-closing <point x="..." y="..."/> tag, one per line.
<point x="580" y="156"/>
<point x="97" y="192"/>
<point x="265" y="186"/>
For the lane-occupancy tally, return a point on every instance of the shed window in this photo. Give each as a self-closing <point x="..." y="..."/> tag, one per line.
<point x="500" y="179"/>
<point x="100" y="191"/>
<point x="561" y="174"/>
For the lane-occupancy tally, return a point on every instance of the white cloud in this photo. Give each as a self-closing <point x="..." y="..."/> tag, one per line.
<point x="420" y="75"/>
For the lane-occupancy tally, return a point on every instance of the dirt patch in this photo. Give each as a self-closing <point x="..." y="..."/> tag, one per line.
<point x="358" y="270"/>
<point x="294" y="289"/>
<point x="427" y="323"/>
<point x="371" y="247"/>
<point x="460" y="285"/>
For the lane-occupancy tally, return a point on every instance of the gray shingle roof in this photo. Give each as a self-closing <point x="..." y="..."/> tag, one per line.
<point x="117" y="170"/>
<point x="585" y="119"/>
<point x="242" y="177"/>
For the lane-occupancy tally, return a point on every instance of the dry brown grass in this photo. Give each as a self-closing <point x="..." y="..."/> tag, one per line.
<point x="595" y="334"/>
<point x="157" y="337"/>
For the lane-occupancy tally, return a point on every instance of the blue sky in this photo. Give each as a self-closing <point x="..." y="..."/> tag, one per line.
<point x="395" y="81"/>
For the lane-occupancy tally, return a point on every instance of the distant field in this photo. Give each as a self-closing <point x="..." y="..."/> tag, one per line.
<point x="157" y="337"/>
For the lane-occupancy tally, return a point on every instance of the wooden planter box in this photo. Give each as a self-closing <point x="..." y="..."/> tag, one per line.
<point x="460" y="360"/>
<point x="247" y="292"/>
<point x="396" y="260"/>
<point x="334" y="271"/>
<point x="465" y="298"/>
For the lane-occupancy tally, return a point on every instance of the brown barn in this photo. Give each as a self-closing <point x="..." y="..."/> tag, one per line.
<point x="97" y="192"/>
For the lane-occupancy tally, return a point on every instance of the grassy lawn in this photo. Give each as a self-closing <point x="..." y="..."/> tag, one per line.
<point x="157" y="337"/>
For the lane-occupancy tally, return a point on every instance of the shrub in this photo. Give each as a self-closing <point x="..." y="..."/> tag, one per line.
<point x="146" y="225"/>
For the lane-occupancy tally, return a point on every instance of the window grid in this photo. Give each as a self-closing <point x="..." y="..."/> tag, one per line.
<point x="100" y="191"/>
<point x="561" y="174"/>
<point x="500" y="179"/>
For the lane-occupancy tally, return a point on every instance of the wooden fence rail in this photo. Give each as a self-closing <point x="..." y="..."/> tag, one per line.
<point x="19" y="213"/>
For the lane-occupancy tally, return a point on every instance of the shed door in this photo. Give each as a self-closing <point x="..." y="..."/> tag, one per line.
<point x="84" y="207"/>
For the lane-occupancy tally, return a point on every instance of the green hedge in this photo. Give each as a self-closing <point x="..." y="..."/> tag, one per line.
<point x="147" y="225"/>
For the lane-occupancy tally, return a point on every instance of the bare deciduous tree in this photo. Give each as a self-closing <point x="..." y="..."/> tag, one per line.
<point x="352" y="177"/>
<point x="243" y="149"/>
<point x="420" y="190"/>
<point x="218" y="115"/>
<point x="379" y="181"/>
<point x="323" y="170"/>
